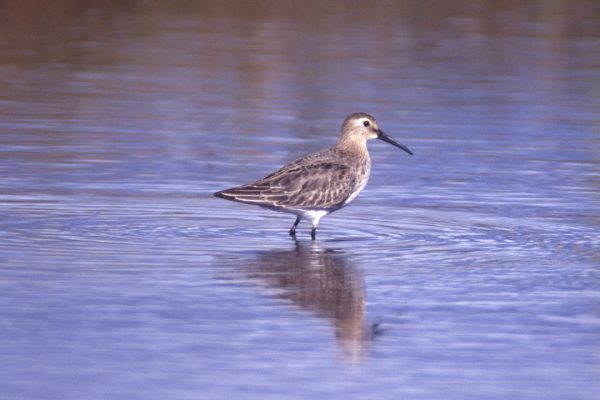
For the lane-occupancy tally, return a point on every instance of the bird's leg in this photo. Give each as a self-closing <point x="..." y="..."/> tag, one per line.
<point x="313" y="233"/>
<point x="293" y="228"/>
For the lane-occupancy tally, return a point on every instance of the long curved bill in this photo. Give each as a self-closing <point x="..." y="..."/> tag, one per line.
<point x="383" y="136"/>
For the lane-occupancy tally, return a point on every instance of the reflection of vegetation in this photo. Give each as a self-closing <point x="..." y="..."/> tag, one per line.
<point x="323" y="281"/>
<point x="524" y="72"/>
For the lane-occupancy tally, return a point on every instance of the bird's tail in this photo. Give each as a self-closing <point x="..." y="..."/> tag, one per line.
<point x="251" y="194"/>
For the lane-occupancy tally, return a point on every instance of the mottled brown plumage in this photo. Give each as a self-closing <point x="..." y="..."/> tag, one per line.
<point x="319" y="183"/>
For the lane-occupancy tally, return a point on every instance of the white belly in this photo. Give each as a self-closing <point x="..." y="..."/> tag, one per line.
<point x="315" y="215"/>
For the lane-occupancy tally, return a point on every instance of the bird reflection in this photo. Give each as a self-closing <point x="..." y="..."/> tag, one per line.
<point x="325" y="282"/>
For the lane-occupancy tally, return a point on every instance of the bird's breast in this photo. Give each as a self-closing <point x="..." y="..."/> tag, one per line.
<point x="363" y="172"/>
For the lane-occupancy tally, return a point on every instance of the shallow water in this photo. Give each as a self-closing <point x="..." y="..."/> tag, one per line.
<point x="471" y="270"/>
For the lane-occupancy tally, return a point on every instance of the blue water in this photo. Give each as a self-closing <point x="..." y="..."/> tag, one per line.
<point x="469" y="271"/>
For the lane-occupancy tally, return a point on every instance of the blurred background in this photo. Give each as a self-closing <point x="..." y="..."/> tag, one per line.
<point x="471" y="270"/>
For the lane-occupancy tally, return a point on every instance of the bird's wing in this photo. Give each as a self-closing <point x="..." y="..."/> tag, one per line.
<point x="313" y="186"/>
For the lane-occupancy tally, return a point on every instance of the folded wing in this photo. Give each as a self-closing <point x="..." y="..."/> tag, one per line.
<point x="315" y="186"/>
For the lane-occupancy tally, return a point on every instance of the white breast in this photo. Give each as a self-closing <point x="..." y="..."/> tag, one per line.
<point x="359" y="189"/>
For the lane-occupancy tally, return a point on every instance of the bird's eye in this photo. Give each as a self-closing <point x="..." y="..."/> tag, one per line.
<point x="366" y="123"/>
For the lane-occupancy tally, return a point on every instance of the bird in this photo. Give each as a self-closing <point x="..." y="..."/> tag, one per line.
<point x="320" y="183"/>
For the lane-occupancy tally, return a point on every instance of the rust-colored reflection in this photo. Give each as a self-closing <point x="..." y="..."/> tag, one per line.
<point x="326" y="282"/>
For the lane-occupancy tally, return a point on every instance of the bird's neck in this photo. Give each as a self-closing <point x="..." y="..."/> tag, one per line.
<point x="358" y="149"/>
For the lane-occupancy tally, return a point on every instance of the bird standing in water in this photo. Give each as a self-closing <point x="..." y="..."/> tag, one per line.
<point x="319" y="183"/>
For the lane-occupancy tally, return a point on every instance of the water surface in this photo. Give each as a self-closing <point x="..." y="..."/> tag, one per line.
<point x="471" y="270"/>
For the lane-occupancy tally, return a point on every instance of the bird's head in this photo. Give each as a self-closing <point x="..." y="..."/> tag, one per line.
<point x="360" y="127"/>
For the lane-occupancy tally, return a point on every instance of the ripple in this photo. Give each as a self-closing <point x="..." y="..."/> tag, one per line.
<point x="209" y="227"/>
<point x="468" y="235"/>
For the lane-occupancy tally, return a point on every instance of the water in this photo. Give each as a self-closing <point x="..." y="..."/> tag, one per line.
<point x="471" y="270"/>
